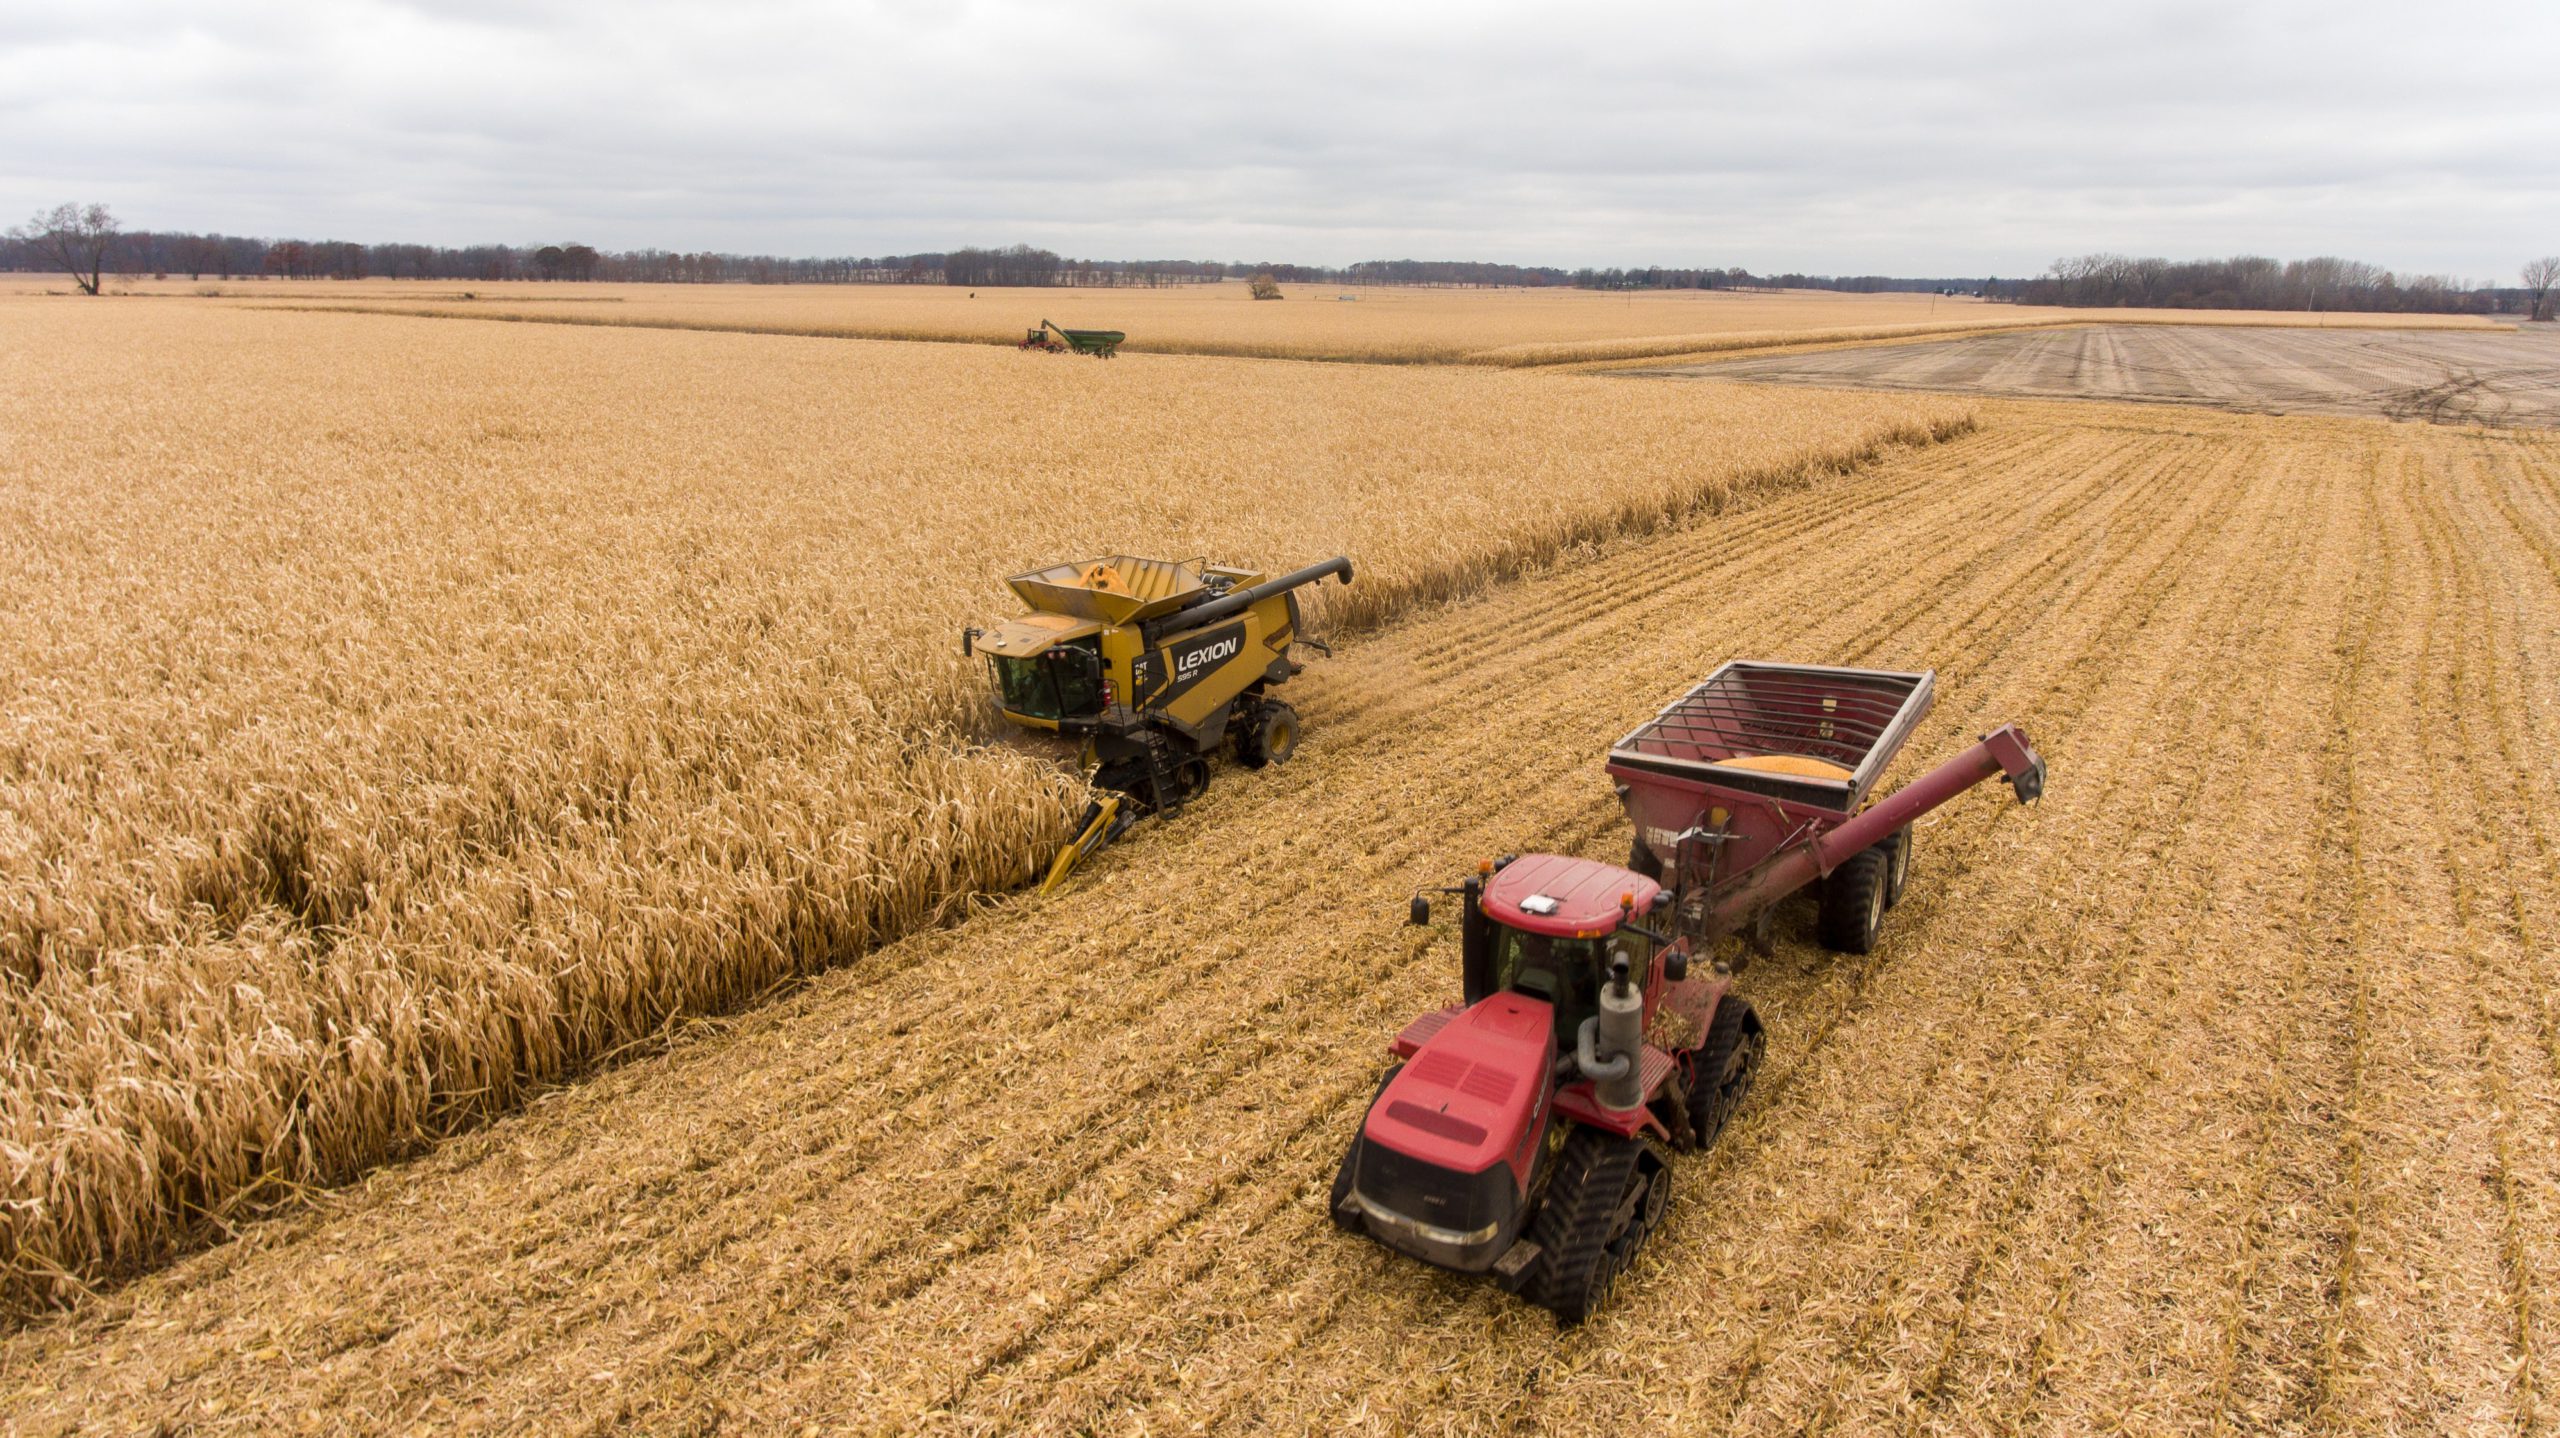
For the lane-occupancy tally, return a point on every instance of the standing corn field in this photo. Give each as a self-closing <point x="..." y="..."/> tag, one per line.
<point x="467" y="701"/>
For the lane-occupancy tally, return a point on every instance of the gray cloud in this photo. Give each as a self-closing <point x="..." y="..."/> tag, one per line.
<point x="1960" y="139"/>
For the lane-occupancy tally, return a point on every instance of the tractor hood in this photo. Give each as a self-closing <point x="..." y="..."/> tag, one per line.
<point x="1444" y="1161"/>
<point x="1033" y="635"/>
<point x="1471" y="1095"/>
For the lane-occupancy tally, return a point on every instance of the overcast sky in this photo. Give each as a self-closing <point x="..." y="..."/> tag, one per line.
<point x="1901" y="138"/>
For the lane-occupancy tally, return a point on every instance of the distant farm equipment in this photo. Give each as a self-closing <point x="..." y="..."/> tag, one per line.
<point x="1101" y="344"/>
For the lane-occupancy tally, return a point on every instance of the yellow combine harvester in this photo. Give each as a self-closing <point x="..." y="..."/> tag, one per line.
<point x="1155" y="664"/>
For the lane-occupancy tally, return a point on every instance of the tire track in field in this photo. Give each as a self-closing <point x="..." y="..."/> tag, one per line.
<point x="2157" y="1042"/>
<point x="1980" y="1224"/>
<point x="2045" y="720"/>
<point x="2269" y="1223"/>
<point x="2498" y="942"/>
<point x="2084" y="1175"/>
<point x="2345" y="872"/>
<point x="2441" y="676"/>
<point x="2432" y="1359"/>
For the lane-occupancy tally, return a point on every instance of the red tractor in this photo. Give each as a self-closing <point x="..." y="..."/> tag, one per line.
<point x="1528" y="1131"/>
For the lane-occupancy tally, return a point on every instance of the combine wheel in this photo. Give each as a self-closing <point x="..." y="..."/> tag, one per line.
<point x="1270" y="735"/>
<point x="1850" y="908"/>
<point x="1607" y="1195"/>
<point x="1897" y="866"/>
<point x="1727" y="1062"/>
<point x="1190" y="780"/>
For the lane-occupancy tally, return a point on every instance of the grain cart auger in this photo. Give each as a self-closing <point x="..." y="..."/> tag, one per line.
<point x="1528" y="1131"/>
<point x="1155" y="665"/>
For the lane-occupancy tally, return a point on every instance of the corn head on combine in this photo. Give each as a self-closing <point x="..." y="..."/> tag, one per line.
<point x="1154" y="665"/>
<point x="1527" y="1131"/>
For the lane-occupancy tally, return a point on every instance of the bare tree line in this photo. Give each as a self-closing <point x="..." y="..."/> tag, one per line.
<point x="86" y="242"/>
<point x="2255" y="282"/>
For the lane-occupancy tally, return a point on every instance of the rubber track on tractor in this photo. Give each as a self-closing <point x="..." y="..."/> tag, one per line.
<point x="1718" y="1099"/>
<point x="1573" y="1225"/>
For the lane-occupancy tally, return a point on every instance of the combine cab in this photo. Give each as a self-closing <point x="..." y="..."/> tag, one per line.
<point x="1528" y="1131"/>
<point x="1154" y="666"/>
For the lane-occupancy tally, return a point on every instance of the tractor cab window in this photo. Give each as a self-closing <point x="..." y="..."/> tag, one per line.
<point x="1564" y="972"/>
<point x="1063" y="683"/>
<point x="1638" y="951"/>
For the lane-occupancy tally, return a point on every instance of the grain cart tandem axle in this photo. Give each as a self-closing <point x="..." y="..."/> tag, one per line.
<point x="1154" y="665"/>
<point x="1527" y="1132"/>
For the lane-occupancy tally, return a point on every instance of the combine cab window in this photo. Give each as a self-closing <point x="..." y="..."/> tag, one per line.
<point x="1064" y="683"/>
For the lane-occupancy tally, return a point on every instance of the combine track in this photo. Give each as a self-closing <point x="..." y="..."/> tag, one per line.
<point x="2220" y="1091"/>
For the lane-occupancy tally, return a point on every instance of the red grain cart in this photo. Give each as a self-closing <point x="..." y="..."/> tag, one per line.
<point x="1527" y="1131"/>
<point x="1756" y="783"/>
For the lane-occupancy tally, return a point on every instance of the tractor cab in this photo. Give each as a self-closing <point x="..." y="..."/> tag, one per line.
<point x="1559" y="976"/>
<point x="1552" y="928"/>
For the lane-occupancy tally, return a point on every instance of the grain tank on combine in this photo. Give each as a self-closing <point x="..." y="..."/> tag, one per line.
<point x="1527" y="1131"/>
<point x="1154" y="665"/>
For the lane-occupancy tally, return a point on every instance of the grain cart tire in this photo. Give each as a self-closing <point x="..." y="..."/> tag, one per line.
<point x="1897" y="864"/>
<point x="1850" y="908"/>
<point x="1602" y="1204"/>
<point x="1727" y="1063"/>
<point x="1640" y="858"/>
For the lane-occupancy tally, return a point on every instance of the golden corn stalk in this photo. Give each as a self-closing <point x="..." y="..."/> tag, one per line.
<point x="402" y="714"/>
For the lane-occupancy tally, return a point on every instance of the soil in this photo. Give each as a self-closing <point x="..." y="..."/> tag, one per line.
<point x="2445" y="377"/>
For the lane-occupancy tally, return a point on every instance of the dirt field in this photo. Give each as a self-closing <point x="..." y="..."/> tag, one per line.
<point x="2504" y="378"/>
<point x="2219" y="1092"/>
